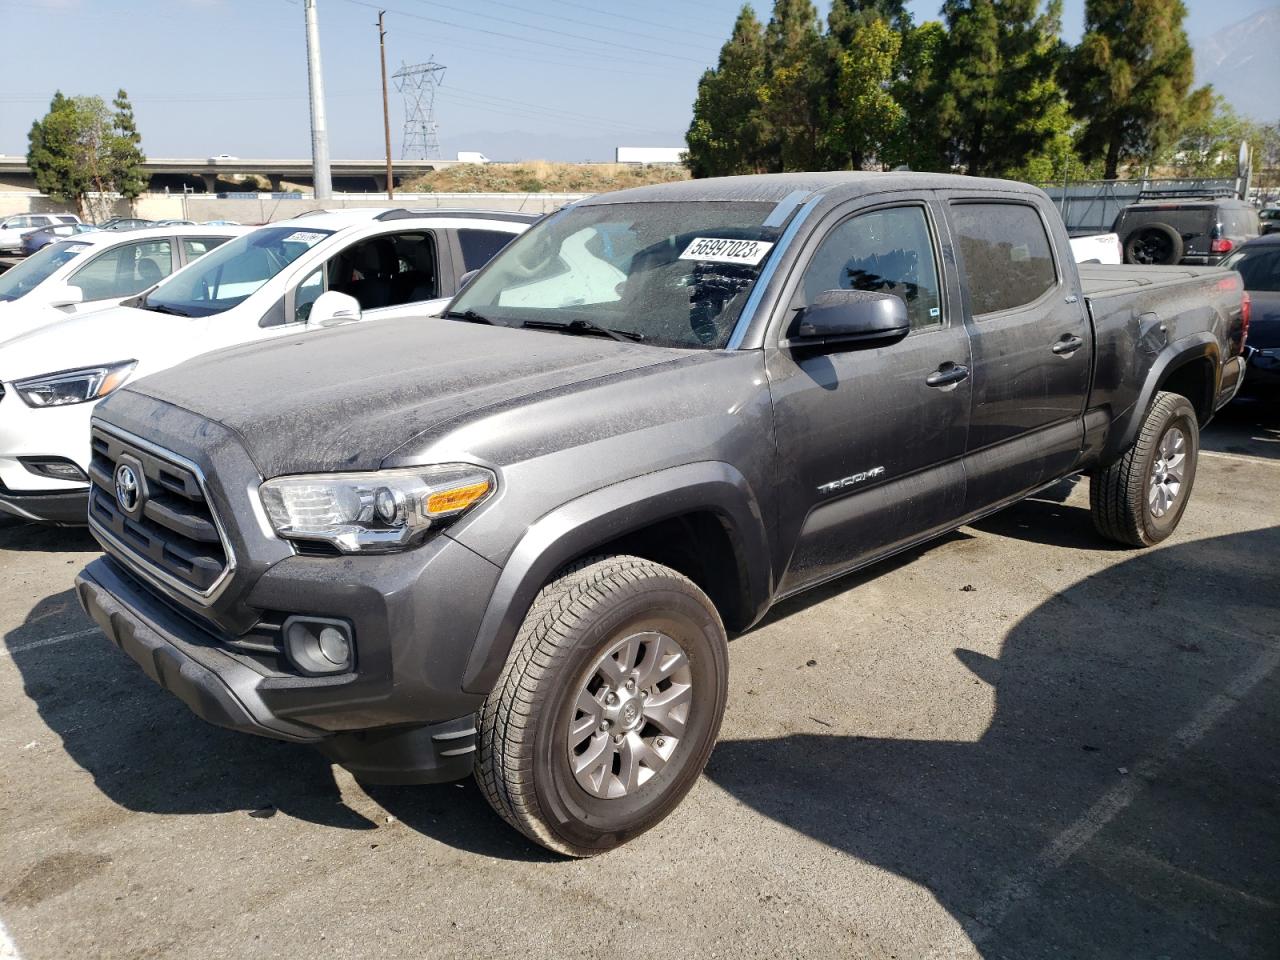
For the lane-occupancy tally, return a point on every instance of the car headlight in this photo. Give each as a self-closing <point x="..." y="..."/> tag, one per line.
<point x="377" y="512"/>
<point x="73" y="386"/>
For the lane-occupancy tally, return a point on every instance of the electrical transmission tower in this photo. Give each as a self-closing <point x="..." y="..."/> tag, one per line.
<point x="417" y="84"/>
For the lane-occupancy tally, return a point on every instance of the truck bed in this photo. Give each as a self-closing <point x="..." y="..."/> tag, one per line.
<point x="1099" y="281"/>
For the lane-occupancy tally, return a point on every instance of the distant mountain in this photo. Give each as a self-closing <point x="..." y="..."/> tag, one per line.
<point x="1242" y="61"/>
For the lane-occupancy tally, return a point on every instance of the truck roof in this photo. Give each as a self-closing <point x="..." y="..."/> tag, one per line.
<point x="774" y="187"/>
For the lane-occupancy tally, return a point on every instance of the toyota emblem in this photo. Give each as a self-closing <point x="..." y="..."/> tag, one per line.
<point x="127" y="488"/>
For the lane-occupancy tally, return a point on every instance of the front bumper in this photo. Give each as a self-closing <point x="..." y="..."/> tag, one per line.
<point x="65" y="509"/>
<point x="231" y="689"/>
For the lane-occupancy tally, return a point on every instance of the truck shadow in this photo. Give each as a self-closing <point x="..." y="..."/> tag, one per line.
<point x="1248" y="427"/>
<point x="1124" y="799"/>
<point x="148" y="753"/>
<point x="19" y="535"/>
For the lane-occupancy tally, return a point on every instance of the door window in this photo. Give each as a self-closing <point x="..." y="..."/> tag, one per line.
<point x="479" y="246"/>
<point x="1008" y="261"/>
<point x="388" y="270"/>
<point x="124" y="270"/>
<point x="888" y="251"/>
<point x="193" y="247"/>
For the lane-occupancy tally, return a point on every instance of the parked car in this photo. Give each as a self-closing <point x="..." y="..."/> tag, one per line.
<point x="220" y="223"/>
<point x="96" y="270"/>
<point x="175" y="223"/>
<point x="36" y="240"/>
<point x="271" y="282"/>
<point x="1269" y="219"/>
<point x="1184" y="231"/>
<point x="513" y="543"/>
<point x="12" y="228"/>
<point x="125" y="223"/>
<point x="1258" y="262"/>
<point x="1097" y="248"/>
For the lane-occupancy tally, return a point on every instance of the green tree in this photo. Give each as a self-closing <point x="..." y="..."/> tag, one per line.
<point x="727" y="135"/>
<point x="80" y="151"/>
<point x="846" y="16"/>
<point x="126" y="156"/>
<point x="1130" y="80"/>
<point x="866" y="117"/>
<point x="1001" y="105"/>
<point x="796" y="90"/>
<point x="918" y="142"/>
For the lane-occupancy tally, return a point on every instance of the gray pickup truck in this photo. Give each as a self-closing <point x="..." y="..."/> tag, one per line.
<point x="513" y="541"/>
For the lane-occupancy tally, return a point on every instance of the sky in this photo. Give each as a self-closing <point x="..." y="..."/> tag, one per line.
<point x="557" y="79"/>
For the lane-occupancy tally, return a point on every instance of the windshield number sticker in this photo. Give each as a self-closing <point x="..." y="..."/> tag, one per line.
<point x="717" y="250"/>
<point x="303" y="236"/>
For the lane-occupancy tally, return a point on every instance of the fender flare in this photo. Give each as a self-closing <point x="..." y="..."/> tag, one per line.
<point x="1199" y="346"/>
<point x="577" y="526"/>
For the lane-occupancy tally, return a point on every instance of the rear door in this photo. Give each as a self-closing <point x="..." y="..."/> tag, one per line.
<point x="870" y="440"/>
<point x="1032" y="347"/>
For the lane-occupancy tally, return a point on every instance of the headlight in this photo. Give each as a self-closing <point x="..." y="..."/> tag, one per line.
<point x="377" y="512"/>
<point x="73" y="386"/>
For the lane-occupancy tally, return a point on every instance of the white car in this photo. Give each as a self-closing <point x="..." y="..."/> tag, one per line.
<point x="96" y="270"/>
<point x="277" y="280"/>
<point x="1097" y="248"/>
<point x="12" y="228"/>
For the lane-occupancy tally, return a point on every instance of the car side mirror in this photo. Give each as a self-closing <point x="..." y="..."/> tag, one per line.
<point x="333" y="308"/>
<point x="846" y="319"/>
<point x="65" y="296"/>
<point x="466" y="278"/>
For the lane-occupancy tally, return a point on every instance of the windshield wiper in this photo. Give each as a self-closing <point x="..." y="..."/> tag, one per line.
<point x="161" y="308"/>
<point x="584" y="328"/>
<point x="470" y="316"/>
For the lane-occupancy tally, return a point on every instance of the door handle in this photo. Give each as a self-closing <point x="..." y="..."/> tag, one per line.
<point x="1067" y="345"/>
<point x="947" y="375"/>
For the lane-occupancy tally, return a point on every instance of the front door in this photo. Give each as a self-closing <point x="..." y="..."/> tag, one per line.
<point x="1032" y="350"/>
<point x="870" y="440"/>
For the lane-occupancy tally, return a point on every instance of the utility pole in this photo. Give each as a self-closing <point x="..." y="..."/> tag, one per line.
<point x="319" y="130"/>
<point x="386" y="113"/>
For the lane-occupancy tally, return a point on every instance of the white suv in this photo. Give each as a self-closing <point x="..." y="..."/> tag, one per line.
<point x="277" y="280"/>
<point x="97" y="270"/>
<point x="12" y="228"/>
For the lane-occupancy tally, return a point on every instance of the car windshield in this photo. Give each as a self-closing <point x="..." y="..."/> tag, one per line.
<point x="670" y="274"/>
<point x="232" y="273"/>
<point x="37" y="268"/>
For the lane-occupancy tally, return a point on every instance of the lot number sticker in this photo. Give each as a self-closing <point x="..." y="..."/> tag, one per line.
<point x="303" y="236"/>
<point x="718" y="250"/>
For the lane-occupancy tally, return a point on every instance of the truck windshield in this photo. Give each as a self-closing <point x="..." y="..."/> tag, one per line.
<point x="671" y="274"/>
<point x="232" y="273"/>
<point x="36" y="269"/>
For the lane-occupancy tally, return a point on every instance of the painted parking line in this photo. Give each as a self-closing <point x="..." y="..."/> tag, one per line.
<point x="1243" y="457"/>
<point x="46" y="642"/>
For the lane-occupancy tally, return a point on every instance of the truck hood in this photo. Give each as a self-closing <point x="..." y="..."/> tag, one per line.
<point x="346" y="398"/>
<point x="155" y="340"/>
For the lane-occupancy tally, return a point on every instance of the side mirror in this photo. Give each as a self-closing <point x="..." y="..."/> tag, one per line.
<point x="466" y="278"/>
<point x="850" y="318"/>
<point x="65" y="296"/>
<point x="333" y="308"/>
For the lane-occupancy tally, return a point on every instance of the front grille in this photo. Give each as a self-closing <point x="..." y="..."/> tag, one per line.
<point x="172" y="535"/>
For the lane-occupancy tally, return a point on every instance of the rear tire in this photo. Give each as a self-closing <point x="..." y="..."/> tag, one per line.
<point x="608" y="706"/>
<point x="1140" y="498"/>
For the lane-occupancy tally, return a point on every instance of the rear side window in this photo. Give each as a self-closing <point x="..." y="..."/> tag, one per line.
<point x="1008" y="260"/>
<point x="1193" y="221"/>
<point x="479" y="246"/>
<point x="1239" y="223"/>
<point x="193" y="247"/>
<point x="69" y="219"/>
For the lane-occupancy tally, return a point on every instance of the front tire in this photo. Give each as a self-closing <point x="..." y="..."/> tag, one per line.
<point x="608" y="706"/>
<point x="1140" y="498"/>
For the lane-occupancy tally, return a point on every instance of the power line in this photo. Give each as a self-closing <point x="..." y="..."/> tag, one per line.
<point x="578" y="22"/>
<point x="623" y="16"/>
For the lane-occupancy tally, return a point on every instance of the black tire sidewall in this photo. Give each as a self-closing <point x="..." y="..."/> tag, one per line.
<point x="589" y="824"/>
<point x="1170" y="235"/>
<point x="1158" y="528"/>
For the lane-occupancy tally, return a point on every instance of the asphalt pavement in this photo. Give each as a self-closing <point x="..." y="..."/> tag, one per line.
<point x="1017" y="742"/>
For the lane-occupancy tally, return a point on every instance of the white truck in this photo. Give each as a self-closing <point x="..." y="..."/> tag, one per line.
<point x="279" y="280"/>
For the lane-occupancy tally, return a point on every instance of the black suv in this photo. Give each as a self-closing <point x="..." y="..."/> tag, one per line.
<point x="1197" y="232"/>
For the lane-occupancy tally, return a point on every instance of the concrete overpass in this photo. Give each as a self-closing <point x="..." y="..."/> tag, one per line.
<point x="203" y="174"/>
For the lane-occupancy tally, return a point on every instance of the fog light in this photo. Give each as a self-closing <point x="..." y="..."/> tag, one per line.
<point x="318" y="645"/>
<point x="54" y="468"/>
